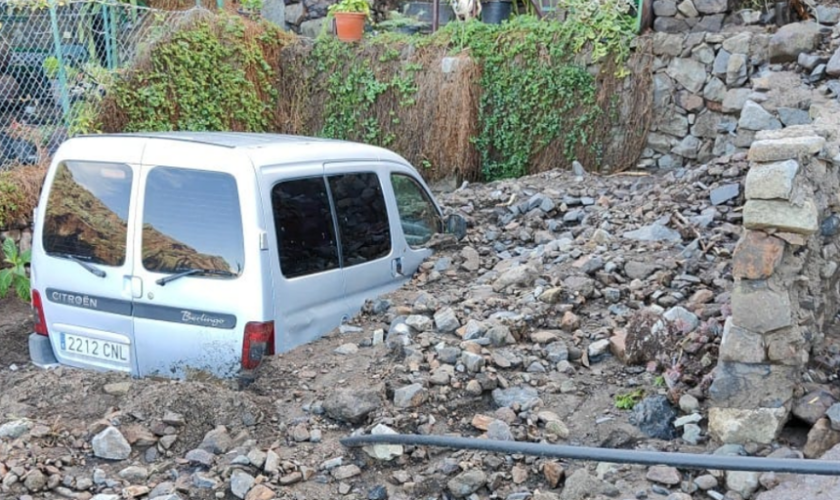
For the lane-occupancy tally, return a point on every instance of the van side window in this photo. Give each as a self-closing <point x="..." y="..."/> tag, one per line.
<point x="363" y="225"/>
<point x="418" y="215"/>
<point x="304" y="225"/>
<point x="87" y="212"/>
<point x="192" y="220"/>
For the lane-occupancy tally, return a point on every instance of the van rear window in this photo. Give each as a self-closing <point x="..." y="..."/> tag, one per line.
<point x="192" y="220"/>
<point x="87" y="212"/>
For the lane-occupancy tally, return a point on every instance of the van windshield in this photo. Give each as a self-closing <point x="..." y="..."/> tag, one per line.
<point x="192" y="220"/>
<point x="87" y="210"/>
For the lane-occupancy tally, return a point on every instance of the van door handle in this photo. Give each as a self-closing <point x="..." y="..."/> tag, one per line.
<point x="396" y="267"/>
<point x="136" y="287"/>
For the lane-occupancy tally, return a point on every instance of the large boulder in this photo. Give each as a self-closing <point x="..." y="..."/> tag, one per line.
<point x="792" y="40"/>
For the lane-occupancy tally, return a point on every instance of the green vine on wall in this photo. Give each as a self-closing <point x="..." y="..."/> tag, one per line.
<point x="204" y="78"/>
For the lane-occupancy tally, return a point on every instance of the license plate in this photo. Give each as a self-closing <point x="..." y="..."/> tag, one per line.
<point x="94" y="348"/>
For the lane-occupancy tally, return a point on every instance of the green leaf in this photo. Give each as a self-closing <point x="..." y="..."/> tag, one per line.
<point x="22" y="289"/>
<point x="5" y="281"/>
<point x="9" y="250"/>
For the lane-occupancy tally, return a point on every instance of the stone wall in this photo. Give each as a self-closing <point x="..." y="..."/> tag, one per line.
<point x="21" y="236"/>
<point x="714" y="90"/>
<point x="786" y="280"/>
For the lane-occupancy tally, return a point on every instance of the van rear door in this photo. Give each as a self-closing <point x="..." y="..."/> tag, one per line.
<point x="197" y="258"/>
<point x="83" y="253"/>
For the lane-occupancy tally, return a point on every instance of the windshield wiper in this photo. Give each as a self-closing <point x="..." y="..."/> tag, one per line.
<point x="189" y="272"/>
<point x="92" y="269"/>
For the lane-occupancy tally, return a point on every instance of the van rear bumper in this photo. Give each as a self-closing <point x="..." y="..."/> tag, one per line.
<point x="41" y="351"/>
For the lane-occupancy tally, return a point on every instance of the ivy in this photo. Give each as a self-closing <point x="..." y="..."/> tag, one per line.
<point x="210" y="77"/>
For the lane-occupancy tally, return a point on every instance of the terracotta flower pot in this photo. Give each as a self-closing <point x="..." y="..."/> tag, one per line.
<point x="349" y="26"/>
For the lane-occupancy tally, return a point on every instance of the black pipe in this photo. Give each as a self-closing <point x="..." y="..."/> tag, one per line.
<point x="681" y="460"/>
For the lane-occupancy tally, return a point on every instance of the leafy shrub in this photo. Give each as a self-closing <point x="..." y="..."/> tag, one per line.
<point x="15" y="277"/>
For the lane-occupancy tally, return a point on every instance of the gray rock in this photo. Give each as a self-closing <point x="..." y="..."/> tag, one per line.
<point x="793" y="116"/>
<point x="581" y="485"/>
<point x="500" y="335"/>
<point x="217" y="441"/>
<point x="732" y="425"/>
<point x="662" y="474"/>
<point x="754" y="117"/>
<point x="810" y="61"/>
<point x="419" y="323"/>
<point x="721" y="63"/>
<point x="665" y="8"/>
<point x="769" y="181"/>
<point x="724" y="193"/>
<point x="738" y="44"/>
<point x="689" y="73"/>
<point x="735" y="100"/>
<point x="410" y="396"/>
<point x="709" y="24"/>
<point x="655" y="416"/>
<point x="200" y="456"/>
<point x="767" y="214"/>
<point x="692" y="433"/>
<point x="473" y="362"/>
<point x="669" y="25"/>
<point x="275" y="12"/>
<point x="687" y="321"/>
<point x="522" y="275"/>
<point x="711" y="6"/>
<point x="351" y="405"/>
<point x="446" y="321"/>
<point x="520" y="395"/>
<point x="818" y="74"/>
<point x="313" y="27"/>
<point x="764" y="150"/>
<point x="813" y="406"/>
<point x="715" y="90"/>
<point x="639" y="269"/>
<point x="741" y="385"/>
<point x="383" y="452"/>
<point x="745" y="483"/>
<point x="134" y="474"/>
<point x="35" y="481"/>
<point x="653" y="232"/>
<point x="833" y="415"/>
<point x="466" y="483"/>
<point x="14" y="429"/>
<point x="687" y="8"/>
<point x="111" y="445"/>
<point x="804" y="487"/>
<point x="741" y="345"/>
<point x="791" y="40"/>
<point x="828" y="16"/>
<point x="689" y="147"/>
<point x="557" y="351"/>
<point x="832" y="68"/>
<point x="294" y="13"/>
<point x="709" y="124"/>
<point x="205" y="481"/>
<point x="673" y="124"/>
<point x="499" y="430"/>
<point x="760" y="309"/>
<point x="240" y="483"/>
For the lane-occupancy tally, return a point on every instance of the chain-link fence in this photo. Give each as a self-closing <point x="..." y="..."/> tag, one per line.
<point x="56" y="58"/>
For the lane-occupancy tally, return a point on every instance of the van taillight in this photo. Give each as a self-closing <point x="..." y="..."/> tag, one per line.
<point x="38" y="313"/>
<point x="258" y="342"/>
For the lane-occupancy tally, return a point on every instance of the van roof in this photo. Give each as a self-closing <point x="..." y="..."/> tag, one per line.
<point x="223" y="139"/>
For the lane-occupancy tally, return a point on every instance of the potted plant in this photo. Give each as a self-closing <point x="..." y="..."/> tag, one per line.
<point x="402" y="23"/>
<point x="350" y="17"/>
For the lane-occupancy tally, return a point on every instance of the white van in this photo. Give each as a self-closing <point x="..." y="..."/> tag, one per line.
<point x="169" y="254"/>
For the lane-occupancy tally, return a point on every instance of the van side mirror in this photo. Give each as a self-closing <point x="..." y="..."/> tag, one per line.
<point x="455" y="225"/>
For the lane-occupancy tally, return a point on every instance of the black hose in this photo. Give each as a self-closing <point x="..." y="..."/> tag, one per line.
<point x="681" y="460"/>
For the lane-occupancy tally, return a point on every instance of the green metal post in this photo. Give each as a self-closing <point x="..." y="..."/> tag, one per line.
<point x="59" y="55"/>
<point x="220" y="4"/>
<point x="109" y="49"/>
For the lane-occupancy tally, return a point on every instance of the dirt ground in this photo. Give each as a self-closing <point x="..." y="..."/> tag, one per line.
<point x="15" y="327"/>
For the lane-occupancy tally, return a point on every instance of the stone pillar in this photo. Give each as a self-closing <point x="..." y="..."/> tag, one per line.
<point x="765" y="342"/>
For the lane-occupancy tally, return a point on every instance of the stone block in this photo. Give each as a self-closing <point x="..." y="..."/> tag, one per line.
<point x="687" y="8"/>
<point x="721" y="63"/>
<point x="793" y="39"/>
<point x="689" y="73"/>
<point x="275" y="12"/>
<point x="711" y="6"/>
<point x="311" y="29"/>
<point x="665" y="8"/>
<point x="794" y="116"/>
<point x="703" y="53"/>
<point x="741" y="345"/>
<point x="736" y="426"/>
<point x="764" y="150"/>
<point x="661" y="143"/>
<point x="715" y="90"/>
<point x="832" y="68"/>
<point x="708" y="24"/>
<point x="787" y="346"/>
<point x="745" y="386"/>
<point x="708" y="124"/>
<point x="735" y="100"/>
<point x="768" y="181"/>
<point x="667" y="44"/>
<point x="758" y="308"/>
<point x="689" y="102"/>
<point x="781" y="215"/>
<point x="738" y="44"/>
<point x="294" y="13"/>
<point x="688" y="147"/>
<point x="757" y="256"/>
<point x="755" y="117"/>
<point x="670" y="25"/>
<point x="673" y="124"/>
